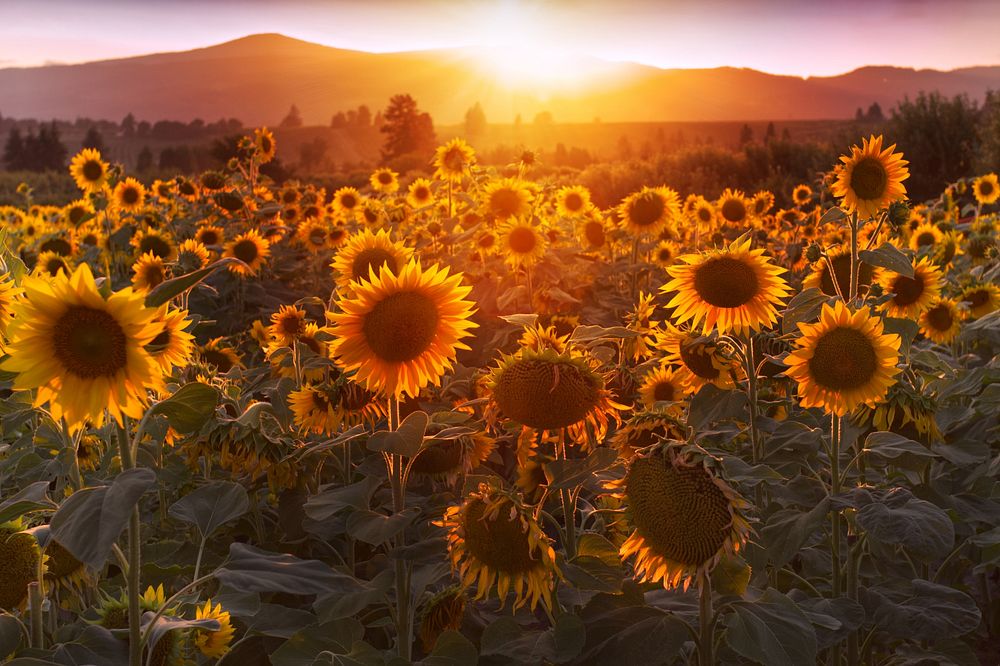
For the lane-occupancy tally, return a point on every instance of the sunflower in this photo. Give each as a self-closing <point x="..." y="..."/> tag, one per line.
<point x="148" y="272"/>
<point x="9" y="293"/>
<point x="251" y="249"/>
<point x="89" y="171"/>
<point x="941" y="321"/>
<point x="986" y="189"/>
<point x="63" y="570"/>
<point x="925" y="235"/>
<point x="650" y="211"/>
<point x="346" y="201"/>
<point x="402" y="331"/>
<point x="384" y="180"/>
<point x="419" y="194"/>
<point x="906" y="412"/>
<point x="263" y="141"/>
<point x="172" y="347"/>
<point x="441" y="613"/>
<point x="78" y="212"/>
<point x="912" y="295"/>
<point x="20" y="557"/>
<point x="213" y="644"/>
<point x="790" y="216"/>
<point x="734" y="288"/>
<point x="547" y="390"/>
<point x="507" y="198"/>
<point x="494" y="539"/>
<point x="705" y="361"/>
<point x="52" y="264"/>
<point x="445" y="459"/>
<point x="521" y="243"/>
<point x="761" y="203"/>
<point x="365" y="253"/>
<point x="157" y="243"/>
<point x="83" y="353"/>
<point x="129" y="195"/>
<point x="665" y="253"/>
<point x="645" y="429"/>
<point x="539" y="338"/>
<point x="219" y="355"/>
<point x="210" y="235"/>
<point x="191" y="256"/>
<point x="870" y="178"/>
<point x="573" y="201"/>
<point x="844" y="360"/>
<point x="802" y="194"/>
<point x="452" y="159"/>
<point x="664" y="384"/>
<point x="703" y="212"/>
<point x="684" y="518"/>
<point x="733" y="208"/>
<point x="326" y="408"/>
<point x="591" y="231"/>
<point x="982" y="299"/>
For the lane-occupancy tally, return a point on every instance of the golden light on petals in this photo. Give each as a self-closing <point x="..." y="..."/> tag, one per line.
<point x="870" y="178"/>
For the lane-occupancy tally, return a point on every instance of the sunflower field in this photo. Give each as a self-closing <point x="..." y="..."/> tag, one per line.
<point x="473" y="418"/>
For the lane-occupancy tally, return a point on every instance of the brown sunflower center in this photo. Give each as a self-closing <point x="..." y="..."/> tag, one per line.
<point x="92" y="170"/>
<point x="985" y="188"/>
<point x="734" y="210"/>
<point x="155" y="244"/>
<point x="454" y="160"/>
<point x="76" y="214"/>
<point x="939" y="317"/>
<point x="522" y="240"/>
<point x="401" y="326"/>
<point x="385" y="178"/>
<point x="372" y="258"/>
<point x="594" y="233"/>
<point x="130" y="196"/>
<point x="925" y="238"/>
<point x="153" y="274"/>
<point x="704" y="214"/>
<point x="545" y="394"/>
<point x="573" y="202"/>
<point x="663" y="391"/>
<point x="54" y="265"/>
<point x="487" y="241"/>
<point x="290" y="324"/>
<point x="681" y="514"/>
<point x="317" y="236"/>
<point x="421" y="193"/>
<point x="348" y="201"/>
<point x="89" y="343"/>
<point x="647" y="209"/>
<point x="500" y="543"/>
<point x="869" y="179"/>
<point x="907" y="290"/>
<point x="664" y="254"/>
<point x="505" y="202"/>
<point x="19" y="555"/>
<point x="319" y="400"/>
<point x="698" y="359"/>
<point x="161" y="341"/>
<point x="844" y="359"/>
<point x="246" y="251"/>
<point x="977" y="298"/>
<point x="219" y="358"/>
<point x="209" y="237"/>
<point x="265" y="144"/>
<point x="726" y="282"/>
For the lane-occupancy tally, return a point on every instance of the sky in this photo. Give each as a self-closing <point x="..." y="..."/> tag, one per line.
<point x="796" y="37"/>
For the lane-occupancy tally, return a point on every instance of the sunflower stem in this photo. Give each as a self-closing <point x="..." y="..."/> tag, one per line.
<point x="134" y="554"/>
<point x="853" y="288"/>
<point x="706" y="621"/>
<point x="37" y="616"/>
<point x="404" y="629"/>
<point x="836" y="427"/>
<point x="568" y="505"/>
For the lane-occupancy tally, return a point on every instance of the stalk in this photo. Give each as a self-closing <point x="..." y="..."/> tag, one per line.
<point x="835" y="546"/>
<point x="404" y="630"/>
<point x="853" y="289"/>
<point x="568" y="505"/>
<point x="134" y="554"/>
<point x="706" y="645"/>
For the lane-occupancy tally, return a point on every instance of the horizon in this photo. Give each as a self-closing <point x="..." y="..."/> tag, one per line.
<point x="532" y="39"/>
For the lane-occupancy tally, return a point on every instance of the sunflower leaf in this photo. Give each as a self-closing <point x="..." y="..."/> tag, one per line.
<point x="406" y="440"/>
<point x="168" y="289"/>
<point x="189" y="408"/>
<point x="890" y="445"/>
<point x="211" y="506"/>
<point x="771" y="630"/>
<point x="804" y="307"/>
<point x="563" y="473"/>
<point x="888" y="256"/>
<point x="833" y="214"/>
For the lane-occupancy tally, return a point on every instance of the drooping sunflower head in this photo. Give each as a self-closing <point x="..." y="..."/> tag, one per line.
<point x="870" y="178"/>
<point x="442" y="612"/>
<point x="365" y="253"/>
<point x="89" y="171"/>
<point x="264" y="144"/>
<point x="446" y="459"/>
<point x="732" y="288"/>
<point x="64" y="570"/>
<point x="148" y="272"/>
<point x="665" y="385"/>
<point x="650" y="210"/>
<point x="251" y="249"/>
<point x="702" y="357"/>
<point x="912" y="295"/>
<point x="986" y="189"/>
<point x="646" y="429"/>
<point x="507" y="198"/>
<point x="83" y="353"/>
<point x="217" y="354"/>
<point x="573" y="201"/>
<point x="844" y="360"/>
<point x="493" y="539"/>
<point x="402" y="331"/>
<point x="521" y="243"/>
<point x="684" y="517"/>
<point x="453" y="159"/>
<point x="20" y="557"/>
<point x="905" y="411"/>
<point x="384" y="180"/>
<point x="213" y="643"/>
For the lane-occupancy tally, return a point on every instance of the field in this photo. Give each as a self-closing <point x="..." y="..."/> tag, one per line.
<point x="485" y="413"/>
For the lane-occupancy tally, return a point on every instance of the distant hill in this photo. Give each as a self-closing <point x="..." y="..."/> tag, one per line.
<point x="257" y="78"/>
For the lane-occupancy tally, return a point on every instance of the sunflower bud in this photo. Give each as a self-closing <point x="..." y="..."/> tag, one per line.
<point x="814" y="252"/>
<point x="899" y="213"/>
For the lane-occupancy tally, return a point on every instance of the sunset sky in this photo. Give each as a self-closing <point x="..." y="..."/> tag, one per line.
<point x="778" y="36"/>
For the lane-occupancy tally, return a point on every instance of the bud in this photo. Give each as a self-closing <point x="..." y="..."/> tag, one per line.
<point x="875" y="289"/>
<point x="899" y="213"/>
<point x="814" y="252"/>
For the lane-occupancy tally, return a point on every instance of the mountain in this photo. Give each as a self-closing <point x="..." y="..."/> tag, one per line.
<point x="257" y="79"/>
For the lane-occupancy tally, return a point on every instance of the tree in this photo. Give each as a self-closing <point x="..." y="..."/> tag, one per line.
<point x="746" y="135"/>
<point x="408" y="129"/>
<point x="128" y="125"/>
<point x="293" y="119"/>
<point x="770" y="135"/>
<point x="544" y="119"/>
<point x="13" y="151"/>
<point x="475" y="121"/>
<point x="364" y="117"/>
<point x="338" y="120"/>
<point x="93" y="139"/>
<point x="145" y="161"/>
<point x="311" y="153"/>
<point x="874" y="114"/>
<point x="36" y="152"/>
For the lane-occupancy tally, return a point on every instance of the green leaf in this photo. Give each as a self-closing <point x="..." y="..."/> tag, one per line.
<point x="924" y="529"/>
<point x="189" y="408"/>
<point x="712" y="405"/>
<point x="788" y="530"/>
<point x="888" y="256"/>
<point x="832" y="214"/>
<point x="333" y="498"/>
<point x="405" y="440"/>
<point x="804" y="307"/>
<point x="164" y="291"/>
<point x="90" y="520"/>
<point x="452" y="649"/>
<point x="771" y="630"/>
<point x="505" y="638"/>
<point x="906" y="329"/>
<point x="570" y="473"/>
<point x="731" y="576"/>
<point x="891" y="446"/>
<point x="211" y="506"/>
<point x="250" y="569"/>
<point x="166" y="623"/>
<point x="927" y="609"/>
<point x="33" y="497"/>
<point x="375" y="528"/>
<point x="520" y="319"/>
<point x="340" y="641"/>
<point x="633" y="635"/>
<point x="587" y="333"/>
<point x="10" y="635"/>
